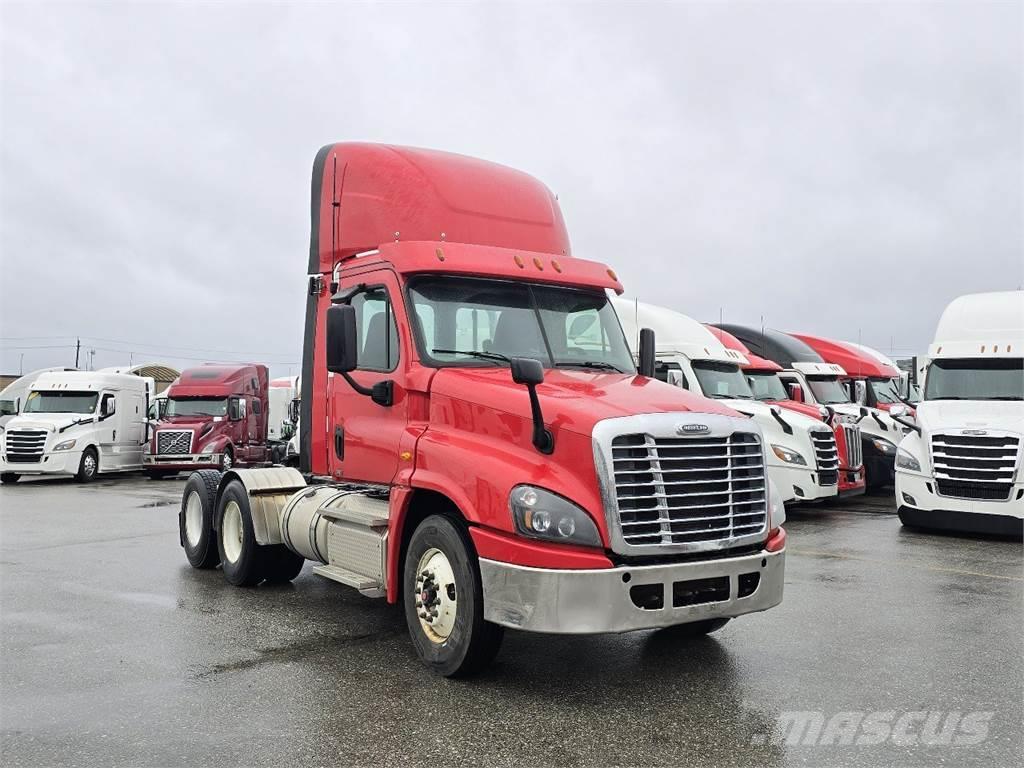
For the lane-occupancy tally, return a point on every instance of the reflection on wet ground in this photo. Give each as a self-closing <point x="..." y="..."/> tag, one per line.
<point x="114" y="652"/>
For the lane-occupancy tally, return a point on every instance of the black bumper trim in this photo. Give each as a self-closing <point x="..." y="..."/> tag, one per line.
<point x="962" y="522"/>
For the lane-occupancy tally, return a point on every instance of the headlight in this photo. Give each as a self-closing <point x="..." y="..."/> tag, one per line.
<point x="883" y="445"/>
<point x="541" y="514"/>
<point x="208" y="449"/>
<point x="905" y="461"/>
<point x="788" y="456"/>
<point x="67" y="445"/>
<point x="147" y="448"/>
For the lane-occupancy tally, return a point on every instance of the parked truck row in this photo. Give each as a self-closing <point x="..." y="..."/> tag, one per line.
<point x="487" y="433"/>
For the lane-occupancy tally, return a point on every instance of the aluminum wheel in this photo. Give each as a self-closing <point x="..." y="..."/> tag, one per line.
<point x="225" y="460"/>
<point x="193" y="519"/>
<point x="89" y="465"/>
<point x="232" y="531"/>
<point x="436" y="599"/>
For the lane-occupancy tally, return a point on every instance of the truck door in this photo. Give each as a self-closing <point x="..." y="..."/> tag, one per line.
<point x="363" y="437"/>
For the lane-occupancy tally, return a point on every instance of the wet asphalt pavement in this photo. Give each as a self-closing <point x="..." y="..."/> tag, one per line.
<point x="115" y="652"/>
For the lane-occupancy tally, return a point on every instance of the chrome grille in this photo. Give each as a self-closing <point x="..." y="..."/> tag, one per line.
<point x="854" y="449"/>
<point x="672" y="491"/>
<point x="975" y="466"/>
<point x="826" y="457"/>
<point x="174" y="441"/>
<point x="25" y="445"/>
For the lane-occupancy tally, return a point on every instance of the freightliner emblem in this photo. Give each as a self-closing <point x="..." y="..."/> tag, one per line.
<point x="692" y="429"/>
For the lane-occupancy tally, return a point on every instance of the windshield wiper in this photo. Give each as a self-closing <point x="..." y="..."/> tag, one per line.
<point x="596" y="364"/>
<point x="1005" y="397"/>
<point x="472" y="353"/>
<point x="950" y="397"/>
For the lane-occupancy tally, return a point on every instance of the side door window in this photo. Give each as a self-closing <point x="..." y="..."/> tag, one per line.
<point x="376" y="331"/>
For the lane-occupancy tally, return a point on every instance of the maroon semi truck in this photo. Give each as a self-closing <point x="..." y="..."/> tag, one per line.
<point x="215" y="417"/>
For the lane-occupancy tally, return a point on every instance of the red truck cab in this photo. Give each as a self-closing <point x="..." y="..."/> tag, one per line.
<point x="215" y="417"/>
<point x="476" y="441"/>
<point x="763" y="376"/>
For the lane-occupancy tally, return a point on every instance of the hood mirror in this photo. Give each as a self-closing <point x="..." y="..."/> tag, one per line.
<point x="530" y="372"/>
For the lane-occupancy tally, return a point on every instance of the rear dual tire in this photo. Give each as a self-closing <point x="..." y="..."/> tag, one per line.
<point x="195" y="520"/>
<point x="245" y="562"/>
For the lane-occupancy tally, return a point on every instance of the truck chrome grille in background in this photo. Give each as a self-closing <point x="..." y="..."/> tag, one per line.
<point x="25" y="445"/>
<point x="686" y="490"/>
<point x="826" y="456"/>
<point x="854" y="449"/>
<point x="975" y="466"/>
<point x="174" y="441"/>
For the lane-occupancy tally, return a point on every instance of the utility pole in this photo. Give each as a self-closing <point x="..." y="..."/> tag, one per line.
<point x="78" y="348"/>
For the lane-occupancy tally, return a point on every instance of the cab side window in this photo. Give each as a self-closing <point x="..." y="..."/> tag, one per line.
<point x="376" y="331"/>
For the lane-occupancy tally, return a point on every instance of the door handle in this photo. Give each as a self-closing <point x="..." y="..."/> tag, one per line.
<point x="339" y="442"/>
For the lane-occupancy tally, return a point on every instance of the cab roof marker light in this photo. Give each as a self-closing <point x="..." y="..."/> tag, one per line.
<point x="538" y="263"/>
<point x="556" y="266"/>
<point x="440" y="254"/>
<point x="519" y="261"/>
<point x="612" y="275"/>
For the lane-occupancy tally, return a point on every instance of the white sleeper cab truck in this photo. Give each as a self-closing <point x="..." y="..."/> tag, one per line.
<point x="78" y="423"/>
<point x="960" y="469"/>
<point x="803" y="461"/>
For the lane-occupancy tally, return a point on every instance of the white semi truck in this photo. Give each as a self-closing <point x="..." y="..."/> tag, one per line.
<point x="960" y="468"/>
<point x="78" y="423"/>
<point x="803" y="461"/>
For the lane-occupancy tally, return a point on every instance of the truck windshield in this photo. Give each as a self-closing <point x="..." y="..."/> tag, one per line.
<point x="827" y="390"/>
<point x="766" y="385"/>
<point x="561" y="327"/>
<point x="61" y="402"/>
<point x="8" y="408"/>
<point x="973" y="379"/>
<point x="722" y="380"/>
<point x="885" y="390"/>
<point x="196" y="406"/>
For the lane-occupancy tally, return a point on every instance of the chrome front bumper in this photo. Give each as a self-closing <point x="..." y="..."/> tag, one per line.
<point x="181" y="459"/>
<point x="602" y="600"/>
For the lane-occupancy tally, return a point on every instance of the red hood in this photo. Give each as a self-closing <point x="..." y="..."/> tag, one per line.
<point x="814" y="411"/>
<point x="571" y="399"/>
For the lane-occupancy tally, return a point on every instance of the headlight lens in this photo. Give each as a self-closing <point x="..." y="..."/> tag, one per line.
<point x="905" y="461"/>
<point x="788" y="456"/>
<point x="207" y="449"/>
<point x="541" y="514"/>
<point x="67" y="445"/>
<point x="884" y="445"/>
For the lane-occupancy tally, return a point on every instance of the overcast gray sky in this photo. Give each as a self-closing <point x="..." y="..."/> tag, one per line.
<point x="843" y="169"/>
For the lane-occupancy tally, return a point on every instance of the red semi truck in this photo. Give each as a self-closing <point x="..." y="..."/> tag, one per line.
<point x="476" y="442"/>
<point x="215" y="417"/>
<point x="763" y="376"/>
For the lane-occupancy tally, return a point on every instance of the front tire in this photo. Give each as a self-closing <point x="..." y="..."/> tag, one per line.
<point x="244" y="562"/>
<point x="9" y="478"/>
<point x="195" y="520"/>
<point x="88" y="466"/>
<point x="443" y="596"/>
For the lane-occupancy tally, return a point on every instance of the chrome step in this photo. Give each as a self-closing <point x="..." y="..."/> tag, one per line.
<point x="365" y="584"/>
